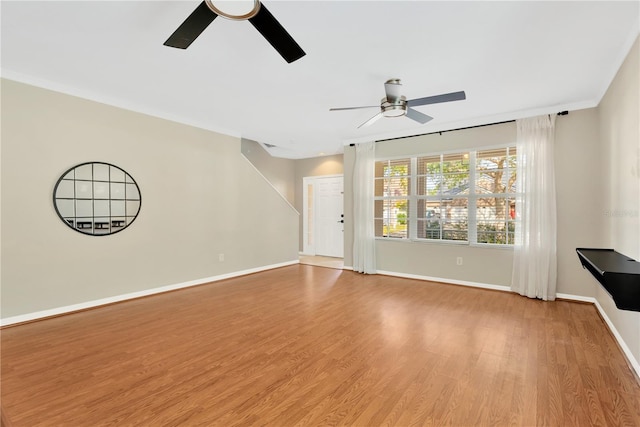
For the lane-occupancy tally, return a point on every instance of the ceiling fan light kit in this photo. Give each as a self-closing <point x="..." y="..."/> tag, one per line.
<point x="253" y="12"/>
<point x="259" y="17"/>
<point x="394" y="108"/>
<point x="396" y="105"/>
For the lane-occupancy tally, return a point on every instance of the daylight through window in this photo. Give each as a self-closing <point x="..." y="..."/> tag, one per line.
<point x="466" y="197"/>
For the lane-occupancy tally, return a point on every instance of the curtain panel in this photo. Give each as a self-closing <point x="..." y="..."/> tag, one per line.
<point x="535" y="258"/>
<point x="364" y="243"/>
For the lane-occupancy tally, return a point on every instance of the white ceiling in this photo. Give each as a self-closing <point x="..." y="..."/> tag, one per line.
<point x="513" y="59"/>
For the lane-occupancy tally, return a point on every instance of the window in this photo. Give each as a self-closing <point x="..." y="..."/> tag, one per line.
<point x="392" y="189"/>
<point x="466" y="197"/>
<point x="443" y="197"/>
<point x="495" y="190"/>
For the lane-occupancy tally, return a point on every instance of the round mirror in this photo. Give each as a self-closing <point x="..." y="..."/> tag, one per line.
<point x="97" y="198"/>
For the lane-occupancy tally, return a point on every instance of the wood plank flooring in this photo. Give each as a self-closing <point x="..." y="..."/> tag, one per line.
<point x="322" y="261"/>
<point x="306" y="346"/>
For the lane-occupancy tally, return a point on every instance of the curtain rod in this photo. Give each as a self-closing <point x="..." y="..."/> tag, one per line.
<point x="561" y="113"/>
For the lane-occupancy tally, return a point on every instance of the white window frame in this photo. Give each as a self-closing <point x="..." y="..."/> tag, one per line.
<point x="505" y="195"/>
<point x="411" y="178"/>
<point x="472" y="199"/>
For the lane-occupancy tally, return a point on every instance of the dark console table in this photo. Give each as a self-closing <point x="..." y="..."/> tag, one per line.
<point x="619" y="274"/>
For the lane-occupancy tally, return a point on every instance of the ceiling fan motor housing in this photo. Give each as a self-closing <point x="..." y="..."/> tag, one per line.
<point x="395" y="108"/>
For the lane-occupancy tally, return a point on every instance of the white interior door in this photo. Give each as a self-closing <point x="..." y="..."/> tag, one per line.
<point x="328" y="214"/>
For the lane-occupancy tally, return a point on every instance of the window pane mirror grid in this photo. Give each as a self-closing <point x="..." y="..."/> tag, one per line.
<point x="116" y="174"/>
<point x="101" y="172"/>
<point x="84" y="190"/>
<point x="66" y="189"/>
<point x="101" y="190"/>
<point x="118" y="208"/>
<point x="84" y="208"/>
<point x="117" y="190"/>
<point x="131" y="207"/>
<point x="131" y="192"/>
<point x="101" y="208"/>
<point x="97" y="198"/>
<point x="84" y="172"/>
<point x="67" y="208"/>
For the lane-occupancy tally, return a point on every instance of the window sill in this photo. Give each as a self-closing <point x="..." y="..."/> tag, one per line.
<point x="446" y="242"/>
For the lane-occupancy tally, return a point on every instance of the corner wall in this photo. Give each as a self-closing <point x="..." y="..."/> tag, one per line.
<point x="619" y="113"/>
<point x="200" y="198"/>
<point x="279" y="172"/>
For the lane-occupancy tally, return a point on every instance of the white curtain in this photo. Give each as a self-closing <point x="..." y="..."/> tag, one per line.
<point x="534" y="258"/>
<point x="364" y="248"/>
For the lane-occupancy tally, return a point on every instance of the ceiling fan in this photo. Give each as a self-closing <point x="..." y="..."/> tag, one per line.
<point x="396" y="105"/>
<point x="259" y="16"/>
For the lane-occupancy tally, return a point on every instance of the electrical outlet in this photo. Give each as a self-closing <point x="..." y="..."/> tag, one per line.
<point x="459" y="260"/>
<point x="221" y="257"/>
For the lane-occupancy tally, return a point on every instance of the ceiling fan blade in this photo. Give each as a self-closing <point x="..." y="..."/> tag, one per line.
<point x="371" y="120"/>
<point x="275" y="34"/>
<point x="447" y="97"/>
<point x="192" y="27"/>
<point x="392" y="89"/>
<point x="418" y="116"/>
<point x="353" y="108"/>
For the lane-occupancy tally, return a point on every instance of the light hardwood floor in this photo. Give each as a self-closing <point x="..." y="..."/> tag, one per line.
<point x="322" y="261"/>
<point x="304" y="345"/>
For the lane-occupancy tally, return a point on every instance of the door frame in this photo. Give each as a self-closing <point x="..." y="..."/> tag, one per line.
<point x="309" y="248"/>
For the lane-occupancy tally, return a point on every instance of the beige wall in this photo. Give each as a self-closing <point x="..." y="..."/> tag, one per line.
<point x="286" y="174"/>
<point x="480" y="264"/>
<point x="578" y="161"/>
<point x="200" y="198"/>
<point x="281" y="173"/>
<point x="579" y="222"/>
<point x="620" y="207"/>
<point x="316" y="166"/>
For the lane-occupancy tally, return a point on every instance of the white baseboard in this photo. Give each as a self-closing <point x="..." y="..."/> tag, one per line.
<point x="450" y="281"/>
<point x="623" y="345"/>
<point x="579" y="298"/>
<point x="118" y="298"/>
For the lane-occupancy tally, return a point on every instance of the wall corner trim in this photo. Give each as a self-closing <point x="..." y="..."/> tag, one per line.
<point x="623" y="345"/>
<point x="40" y="315"/>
